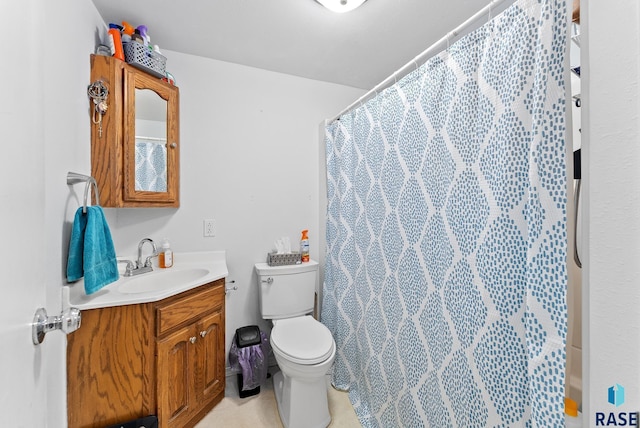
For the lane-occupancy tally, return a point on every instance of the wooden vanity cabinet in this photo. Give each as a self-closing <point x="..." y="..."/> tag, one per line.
<point x="190" y="355"/>
<point x="137" y="103"/>
<point x="164" y="358"/>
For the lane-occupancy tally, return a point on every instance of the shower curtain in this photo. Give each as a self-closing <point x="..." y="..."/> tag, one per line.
<point x="445" y="273"/>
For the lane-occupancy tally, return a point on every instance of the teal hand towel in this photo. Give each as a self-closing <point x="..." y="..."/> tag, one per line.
<point x="91" y="251"/>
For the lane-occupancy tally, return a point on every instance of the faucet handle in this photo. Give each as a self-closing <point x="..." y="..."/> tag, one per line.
<point x="147" y="262"/>
<point x="130" y="267"/>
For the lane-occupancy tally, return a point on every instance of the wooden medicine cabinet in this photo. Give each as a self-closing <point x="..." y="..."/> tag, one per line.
<point x="135" y="147"/>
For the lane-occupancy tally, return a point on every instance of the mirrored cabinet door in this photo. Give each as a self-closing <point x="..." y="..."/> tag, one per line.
<point x="151" y="146"/>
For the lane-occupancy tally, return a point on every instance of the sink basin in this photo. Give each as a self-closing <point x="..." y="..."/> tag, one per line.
<point x="160" y="280"/>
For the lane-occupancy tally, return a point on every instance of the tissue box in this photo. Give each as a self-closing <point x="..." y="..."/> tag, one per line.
<point x="275" y="259"/>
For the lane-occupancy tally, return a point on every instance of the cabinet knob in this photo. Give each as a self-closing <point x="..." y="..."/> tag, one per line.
<point x="203" y="333"/>
<point x="192" y="339"/>
<point x="173" y="145"/>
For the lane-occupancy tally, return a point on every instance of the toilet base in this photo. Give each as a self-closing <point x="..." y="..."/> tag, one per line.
<point x="302" y="404"/>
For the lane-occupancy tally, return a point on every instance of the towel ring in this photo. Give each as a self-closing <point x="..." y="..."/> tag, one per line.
<point x="74" y="178"/>
<point x="91" y="181"/>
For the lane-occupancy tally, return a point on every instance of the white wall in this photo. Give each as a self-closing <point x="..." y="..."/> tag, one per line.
<point x="611" y="155"/>
<point x="249" y="160"/>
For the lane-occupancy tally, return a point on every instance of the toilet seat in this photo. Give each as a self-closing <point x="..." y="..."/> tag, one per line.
<point x="302" y="340"/>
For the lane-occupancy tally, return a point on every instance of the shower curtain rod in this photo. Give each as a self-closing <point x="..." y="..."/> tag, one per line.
<point x="422" y="57"/>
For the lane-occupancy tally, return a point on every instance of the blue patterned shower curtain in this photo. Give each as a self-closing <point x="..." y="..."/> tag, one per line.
<point x="445" y="276"/>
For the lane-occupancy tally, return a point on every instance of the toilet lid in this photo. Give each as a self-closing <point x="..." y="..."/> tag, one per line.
<point x="302" y="340"/>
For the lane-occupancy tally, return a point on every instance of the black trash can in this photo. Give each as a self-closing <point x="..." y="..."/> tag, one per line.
<point x="247" y="336"/>
<point x="146" y="422"/>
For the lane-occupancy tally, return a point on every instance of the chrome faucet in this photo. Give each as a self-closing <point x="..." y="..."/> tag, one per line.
<point x="147" y="266"/>
<point x="136" y="268"/>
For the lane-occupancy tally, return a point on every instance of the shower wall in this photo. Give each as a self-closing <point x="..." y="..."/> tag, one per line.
<point x="574" y="286"/>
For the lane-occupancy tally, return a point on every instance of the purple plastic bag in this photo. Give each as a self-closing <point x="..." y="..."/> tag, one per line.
<point x="252" y="361"/>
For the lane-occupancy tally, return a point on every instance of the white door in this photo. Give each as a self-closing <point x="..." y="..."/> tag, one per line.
<point x="22" y="224"/>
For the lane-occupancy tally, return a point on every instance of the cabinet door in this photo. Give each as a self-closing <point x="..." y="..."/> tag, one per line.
<point x="151" y="146"/>
<point x="211" y="376"/>
<point x="110" y="367"/>
<point x="175" y="387"/>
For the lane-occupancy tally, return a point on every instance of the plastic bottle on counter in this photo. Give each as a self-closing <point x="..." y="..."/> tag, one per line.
<point x="304" y="246"/>
<point x="165" y="257"/>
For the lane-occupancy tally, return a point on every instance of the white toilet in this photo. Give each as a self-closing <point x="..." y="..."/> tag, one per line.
<point x="303" y="347"/>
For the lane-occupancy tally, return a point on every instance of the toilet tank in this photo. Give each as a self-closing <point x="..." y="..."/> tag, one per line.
<point x="287" y="291"/>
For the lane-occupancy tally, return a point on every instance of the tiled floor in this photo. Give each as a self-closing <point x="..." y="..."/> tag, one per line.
<point x="261" y="410"/>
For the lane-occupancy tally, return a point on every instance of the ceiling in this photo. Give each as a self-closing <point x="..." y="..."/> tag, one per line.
<point x="298" y="37"/>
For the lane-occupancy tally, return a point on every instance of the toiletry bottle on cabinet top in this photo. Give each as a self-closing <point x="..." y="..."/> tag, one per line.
<point x="115" y="41"/>
<point x="165" y="258"/>
<point x="304" y="246"/>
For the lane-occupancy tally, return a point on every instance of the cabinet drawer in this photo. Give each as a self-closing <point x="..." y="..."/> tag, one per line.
<point x="192" y="305"/>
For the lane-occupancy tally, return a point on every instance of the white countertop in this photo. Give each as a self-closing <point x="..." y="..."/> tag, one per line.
<point x="207" y="266"/>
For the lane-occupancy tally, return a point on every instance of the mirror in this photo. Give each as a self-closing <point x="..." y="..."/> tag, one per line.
<point x="150" y="141"/>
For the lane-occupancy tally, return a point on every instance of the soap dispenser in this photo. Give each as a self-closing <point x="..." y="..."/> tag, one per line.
<point x="165" y="258"/>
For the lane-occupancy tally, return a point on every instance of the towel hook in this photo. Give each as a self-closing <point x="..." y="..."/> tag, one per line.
<point x="74" y="178"/>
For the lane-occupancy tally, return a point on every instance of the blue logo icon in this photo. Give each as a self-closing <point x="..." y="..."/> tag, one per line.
<point x="616" y="395"/>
